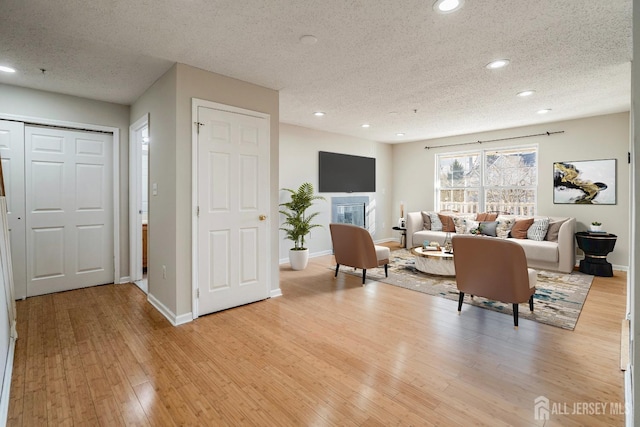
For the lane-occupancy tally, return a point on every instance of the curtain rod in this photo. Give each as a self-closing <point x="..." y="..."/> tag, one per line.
<point x="495" y="140"/>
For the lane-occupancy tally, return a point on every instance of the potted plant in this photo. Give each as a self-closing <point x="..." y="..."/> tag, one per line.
<point x="297" y="222"/>
<point x="596" y="226"/>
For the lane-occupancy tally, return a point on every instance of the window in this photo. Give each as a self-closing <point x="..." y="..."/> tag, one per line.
<point x="503" y="180"/>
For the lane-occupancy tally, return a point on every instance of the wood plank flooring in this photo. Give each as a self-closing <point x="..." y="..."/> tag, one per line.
<point x="328" y="352"/>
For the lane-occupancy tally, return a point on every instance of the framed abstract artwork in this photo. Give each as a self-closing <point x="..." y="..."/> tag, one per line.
<point x="585" y="182"/>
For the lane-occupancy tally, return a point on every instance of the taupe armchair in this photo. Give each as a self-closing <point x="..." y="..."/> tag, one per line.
<point x="354" y="247"/>
<point x="493" y="268"/>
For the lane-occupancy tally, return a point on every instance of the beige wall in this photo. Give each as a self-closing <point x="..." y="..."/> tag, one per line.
<point x="169" y="103"/>
<point x="601" y="137"/>
<point x="197" y="83"/>
<point x="159" y="101"/>
<point x="36" y="104"/>
<point x="299" y="149"/>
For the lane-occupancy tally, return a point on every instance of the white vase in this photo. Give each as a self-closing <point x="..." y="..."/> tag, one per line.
<point x="298" y="259"/>
<point x="595" y="228"/>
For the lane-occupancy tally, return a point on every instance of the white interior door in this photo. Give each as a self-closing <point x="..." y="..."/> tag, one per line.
<point x="233" y="201"/>
<point x="12" y="153"/>
<point x="69" y="205"/>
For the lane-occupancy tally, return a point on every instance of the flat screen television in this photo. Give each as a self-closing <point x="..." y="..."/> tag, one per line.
<point x="343" y="173"/>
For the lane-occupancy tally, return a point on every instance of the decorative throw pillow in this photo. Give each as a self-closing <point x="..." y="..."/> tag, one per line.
<point x="481" y="217"/>
<point x="554" y="229"/>
<point x="470" y="225"/>
<point x="504" y="227"/>
<point x="488" y="228"/>
<point x="426" y="220"/>
<point x="460" y="222"/>
<point x="436" y="224"/>
<point x="519" y="229"/>
<point x="447" y="223"/>
<point x="538" y="230"/>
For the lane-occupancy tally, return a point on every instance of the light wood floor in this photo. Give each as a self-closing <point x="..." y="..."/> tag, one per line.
<point x="328" y="352"/>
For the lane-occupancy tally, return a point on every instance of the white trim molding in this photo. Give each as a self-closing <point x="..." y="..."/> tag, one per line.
<point x="116" y="170"/>
<point x="170" y="315"/>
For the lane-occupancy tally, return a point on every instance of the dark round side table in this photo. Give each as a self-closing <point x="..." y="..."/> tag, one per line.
<point x="403" y="235"/>
<point x="596" y="246"/>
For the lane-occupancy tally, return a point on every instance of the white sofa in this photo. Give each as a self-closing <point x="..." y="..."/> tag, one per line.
<point x="557" y="255"/>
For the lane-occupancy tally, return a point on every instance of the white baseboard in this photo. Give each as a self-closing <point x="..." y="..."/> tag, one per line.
<point x="614" y="266"/>
<point x="628" y="397"/>
<point x="311" y="255"/>
<point x="6" y="383"/>
<point x="171" y="317"/>
<point x="389" y="239"/>
<point x="275" y="293"/>
<point x="125" y="279"/>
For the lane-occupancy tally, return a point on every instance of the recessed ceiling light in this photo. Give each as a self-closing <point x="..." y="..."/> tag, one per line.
<point x="499" y="63"/>
<point x="308" y="39"/>
<point x="7" y="69"/>
<point x="544" y="111"/>
<point x="319" y="113"/>
<point x="366" y="125"/>
<point x="526" y="93"/>
<point x="447" y="6"/>
<point x="400" y="134"/>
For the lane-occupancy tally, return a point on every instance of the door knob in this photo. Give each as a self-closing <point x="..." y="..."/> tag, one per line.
<point x="262" y="217"/>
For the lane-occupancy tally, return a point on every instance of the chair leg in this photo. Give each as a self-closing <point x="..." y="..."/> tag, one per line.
<point x="460" y="298"/>
<point x="364" y="275"/>
<point x="386" y="271"/>
<point x="531" y="303"/>
<point x="515" y="315"/>
<point x="337" y="267"/>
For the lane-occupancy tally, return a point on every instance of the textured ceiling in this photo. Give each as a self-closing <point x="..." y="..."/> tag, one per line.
<point x="395" y="64"/>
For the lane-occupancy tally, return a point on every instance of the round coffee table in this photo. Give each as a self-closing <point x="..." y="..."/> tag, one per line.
<point x="434" y="262"/>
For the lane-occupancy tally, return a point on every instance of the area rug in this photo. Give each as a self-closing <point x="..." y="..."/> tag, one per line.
<point x="557" y="302"/>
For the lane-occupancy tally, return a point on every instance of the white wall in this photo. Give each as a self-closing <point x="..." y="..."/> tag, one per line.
<point x="632" y="384"/>
<point x="53" y="106"/>
<point x="601" y="137"/>
<point x="168" y="103"/>
<point x="299" y="149"/>
<point x="160" y="102"/>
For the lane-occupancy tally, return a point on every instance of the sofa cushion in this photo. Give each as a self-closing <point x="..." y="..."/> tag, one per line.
<point x="426" y="220"/>
<point x="447" y="223"/>
<point x="436" y="224"/>
<point x="539" y="251"/>
<point x="554" y="229"/>
<point x="519" y="229"/>
<point x="538" y="229"/>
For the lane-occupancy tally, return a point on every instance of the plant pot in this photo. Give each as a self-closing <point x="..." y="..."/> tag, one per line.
<point x="298" y="259"/>
<point x="595" y="228"/>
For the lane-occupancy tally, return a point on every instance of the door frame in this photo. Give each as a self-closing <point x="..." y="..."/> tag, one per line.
<point x="39" y="121"/>
<point x="135" y="198"/>
<point x="195" y="104"/>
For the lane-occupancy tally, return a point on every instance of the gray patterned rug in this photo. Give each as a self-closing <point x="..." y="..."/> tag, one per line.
<point x="557" y="302"/>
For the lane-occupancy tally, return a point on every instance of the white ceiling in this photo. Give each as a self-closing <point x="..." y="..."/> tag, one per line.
<point x="395" y="64"/>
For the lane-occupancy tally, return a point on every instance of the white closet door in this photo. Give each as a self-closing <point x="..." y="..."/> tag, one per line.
<point x="12" y="152"/>
<point x="69" y="205"/>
